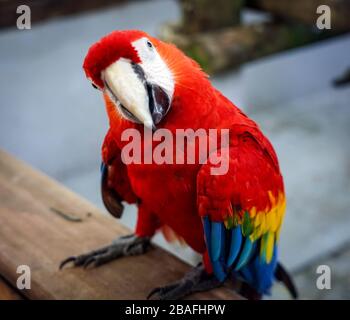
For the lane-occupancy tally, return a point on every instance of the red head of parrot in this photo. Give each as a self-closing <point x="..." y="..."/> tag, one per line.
<point x="140" y="75"/>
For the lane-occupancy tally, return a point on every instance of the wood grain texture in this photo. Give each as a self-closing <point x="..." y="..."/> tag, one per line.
<point x="32" y="234"/>
<point x="7" y="292"/>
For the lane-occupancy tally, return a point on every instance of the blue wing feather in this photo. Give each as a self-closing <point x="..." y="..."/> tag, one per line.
<point x="259" y="274"/>
<point x="245" y="254"/>
<point x="216" y="239"/>
<point x="228" y="248"/>
<point x="235" y="245"/>
<point x="219" y="270"/>
<point x="207" y="232"/>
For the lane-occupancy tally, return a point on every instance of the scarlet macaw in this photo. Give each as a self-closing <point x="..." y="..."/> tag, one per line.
<point x="232" y="220"/>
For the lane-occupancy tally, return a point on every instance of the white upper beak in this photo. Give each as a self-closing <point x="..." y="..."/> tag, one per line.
<point x="123" y="84"/>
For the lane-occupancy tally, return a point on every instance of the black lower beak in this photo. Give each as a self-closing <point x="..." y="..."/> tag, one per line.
<point x="159" y="102"/>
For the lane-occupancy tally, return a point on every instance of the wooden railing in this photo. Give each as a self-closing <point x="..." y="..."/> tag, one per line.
<point x="33" y="233"/>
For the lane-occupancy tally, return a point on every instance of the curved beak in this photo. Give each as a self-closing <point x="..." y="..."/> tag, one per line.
<point x="138" y="100"/>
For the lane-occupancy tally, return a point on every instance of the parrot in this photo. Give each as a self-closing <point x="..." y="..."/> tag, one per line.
<point x="232" y="220"/>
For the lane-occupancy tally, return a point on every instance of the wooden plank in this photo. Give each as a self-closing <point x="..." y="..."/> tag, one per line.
<point x="32" y="234"/>
<point x="44" y="9"/>
<point x="7" y="292"/>
<point x="305" y="11"/>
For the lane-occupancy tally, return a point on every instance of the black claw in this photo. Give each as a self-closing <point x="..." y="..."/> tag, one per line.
<point x="154" y="291"/>
<point x="65" y="261"/>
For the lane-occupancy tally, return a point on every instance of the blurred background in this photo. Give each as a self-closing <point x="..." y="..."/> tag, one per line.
<point x="269" y="57"/>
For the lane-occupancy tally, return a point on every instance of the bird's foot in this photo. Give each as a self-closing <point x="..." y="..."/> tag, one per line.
<point x="196" y="280"/>
<point x="124" y="246"/>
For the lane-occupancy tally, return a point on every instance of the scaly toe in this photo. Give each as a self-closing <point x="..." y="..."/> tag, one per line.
<point x="123" y="246"/>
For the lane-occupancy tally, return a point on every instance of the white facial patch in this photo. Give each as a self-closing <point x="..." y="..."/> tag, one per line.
<point x="155" y="69"/>
<point x="125" y="85"/>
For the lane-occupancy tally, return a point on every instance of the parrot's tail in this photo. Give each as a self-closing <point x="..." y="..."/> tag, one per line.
<point x="283" y="276"/>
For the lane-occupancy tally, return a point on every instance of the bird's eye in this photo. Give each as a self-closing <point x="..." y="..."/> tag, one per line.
<point x="94" y="85"/>
<point x="149" y="44"/>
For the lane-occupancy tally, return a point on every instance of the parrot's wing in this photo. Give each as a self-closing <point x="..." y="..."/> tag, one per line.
<point x="111" y="199"/>
<point x="242" y="212"/>
<point x="115" y="185"/>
